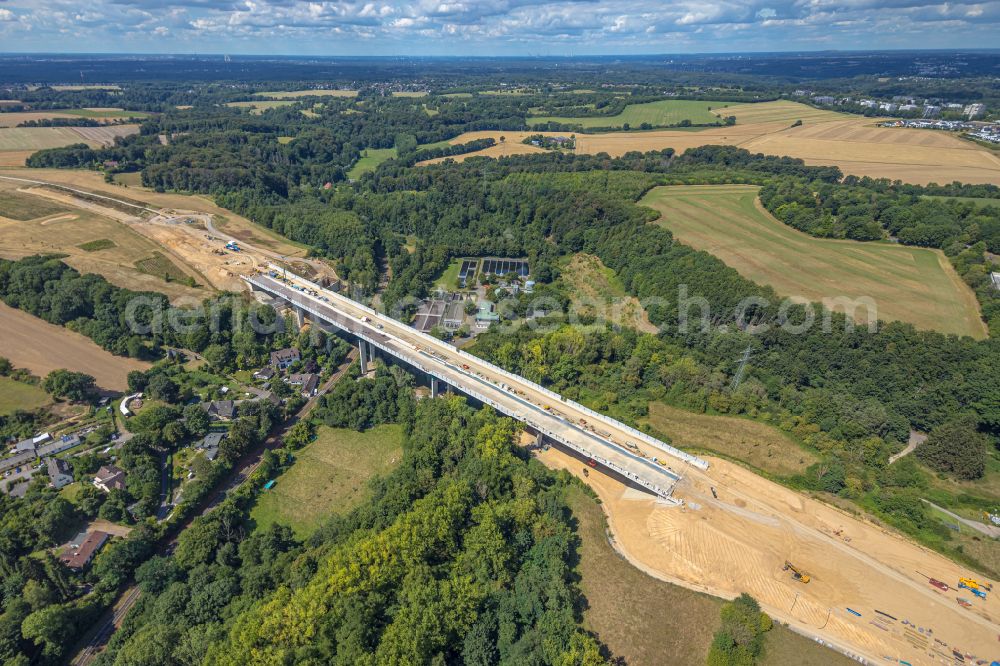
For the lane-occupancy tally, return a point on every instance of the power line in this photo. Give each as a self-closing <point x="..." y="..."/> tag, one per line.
<point x="738" y="377"/>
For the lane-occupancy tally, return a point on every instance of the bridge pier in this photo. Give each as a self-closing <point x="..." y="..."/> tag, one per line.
<point x="363" y="356"/>
<point x="300" y="317"/>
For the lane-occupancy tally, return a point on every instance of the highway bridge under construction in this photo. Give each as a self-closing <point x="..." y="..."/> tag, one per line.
<point x="601" y="441"/>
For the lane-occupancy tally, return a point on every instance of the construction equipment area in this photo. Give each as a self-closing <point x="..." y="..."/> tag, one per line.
<point x="796" y="574"/>
<point x="849" y="583"/>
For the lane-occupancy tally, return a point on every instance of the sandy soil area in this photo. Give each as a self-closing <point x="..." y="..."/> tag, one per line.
<point x="740" y="541"/>
<point x="41" y="347"/>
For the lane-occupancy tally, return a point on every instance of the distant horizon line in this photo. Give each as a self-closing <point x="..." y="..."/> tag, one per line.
<point x="231" y="54"/>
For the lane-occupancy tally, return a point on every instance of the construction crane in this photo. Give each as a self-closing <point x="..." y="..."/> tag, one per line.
<point x="797" y="574"/>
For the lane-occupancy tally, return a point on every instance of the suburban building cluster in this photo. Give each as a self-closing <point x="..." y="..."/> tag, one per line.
<point x="901" y="104"/>
<point x="30" y="455"/>
<point x="981" y="131"/>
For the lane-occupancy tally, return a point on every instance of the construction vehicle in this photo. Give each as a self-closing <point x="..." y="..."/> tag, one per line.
<point x="232" y="245"/>
<point x="975" y="590"/>
<point x="797" y="574"/>
<point x="938" y="584"/>
<point x="973" y="583"/>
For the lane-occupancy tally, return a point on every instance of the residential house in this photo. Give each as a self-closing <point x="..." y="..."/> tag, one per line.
<point x="823" y="99"/>
<point x="60" y="473"/>
<point x="210" y="445"/>
<point x="211" y="439"/>
<point x="220" y="410"/>
<point x="307" y="383"/>
<point x="109" y="478"/>
<point x="283" y="358"/>
<point x="268" y="396"/>
<point x="78" y="555"/>
<point x="264" y="373"/>
<point x="18" y="490"/>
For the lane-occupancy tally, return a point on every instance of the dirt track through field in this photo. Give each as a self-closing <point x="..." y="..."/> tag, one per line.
<point x="740" y="541"/>
<point x="41" y="347"/>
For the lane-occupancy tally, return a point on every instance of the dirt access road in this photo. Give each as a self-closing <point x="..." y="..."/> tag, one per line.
<point x="740" y="541"/>
<point x="191" y="237"/>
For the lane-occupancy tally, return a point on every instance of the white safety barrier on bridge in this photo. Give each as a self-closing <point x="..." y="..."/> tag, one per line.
<point x="434" y="342"/>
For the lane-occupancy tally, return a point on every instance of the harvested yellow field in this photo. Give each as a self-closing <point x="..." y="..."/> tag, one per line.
<point x="189" y="231"/>
<point x="16" y="118"/>
<point x="825" y="138"/>
<point x="511" y="145"/>
<point x="739" y="542"/>
<point x="18" y="143"/>
<point x="911" y="284"/>
<point x="258" y="107"/>
<point x="778" y="112"/>
<point x="41" y="347"/>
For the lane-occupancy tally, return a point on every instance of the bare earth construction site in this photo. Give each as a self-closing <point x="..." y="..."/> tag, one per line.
<point x="740" y="541"/>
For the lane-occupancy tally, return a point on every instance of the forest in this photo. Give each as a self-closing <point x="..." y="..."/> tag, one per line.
<point x="462" y="554"/>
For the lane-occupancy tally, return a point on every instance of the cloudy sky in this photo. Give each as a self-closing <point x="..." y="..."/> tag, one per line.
<point x="491" y="27"/>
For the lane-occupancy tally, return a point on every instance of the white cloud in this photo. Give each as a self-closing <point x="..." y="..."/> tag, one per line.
<point x="479" y="26"/>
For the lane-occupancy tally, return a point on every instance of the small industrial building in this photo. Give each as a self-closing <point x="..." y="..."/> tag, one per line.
<point x="486" y="315"/>
<point x="454" y="315"/>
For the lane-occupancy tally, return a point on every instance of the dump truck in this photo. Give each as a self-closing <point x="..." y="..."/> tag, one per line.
<point x="797" y="574"/>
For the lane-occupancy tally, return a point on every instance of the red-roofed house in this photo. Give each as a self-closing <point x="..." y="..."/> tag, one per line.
<point x="76" y="557"/>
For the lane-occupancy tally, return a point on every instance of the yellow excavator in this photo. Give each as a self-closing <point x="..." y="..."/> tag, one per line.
<point x="798" y="575"/>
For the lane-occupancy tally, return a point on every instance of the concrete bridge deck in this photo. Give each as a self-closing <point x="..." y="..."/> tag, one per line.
<point x="608" y="442"/>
